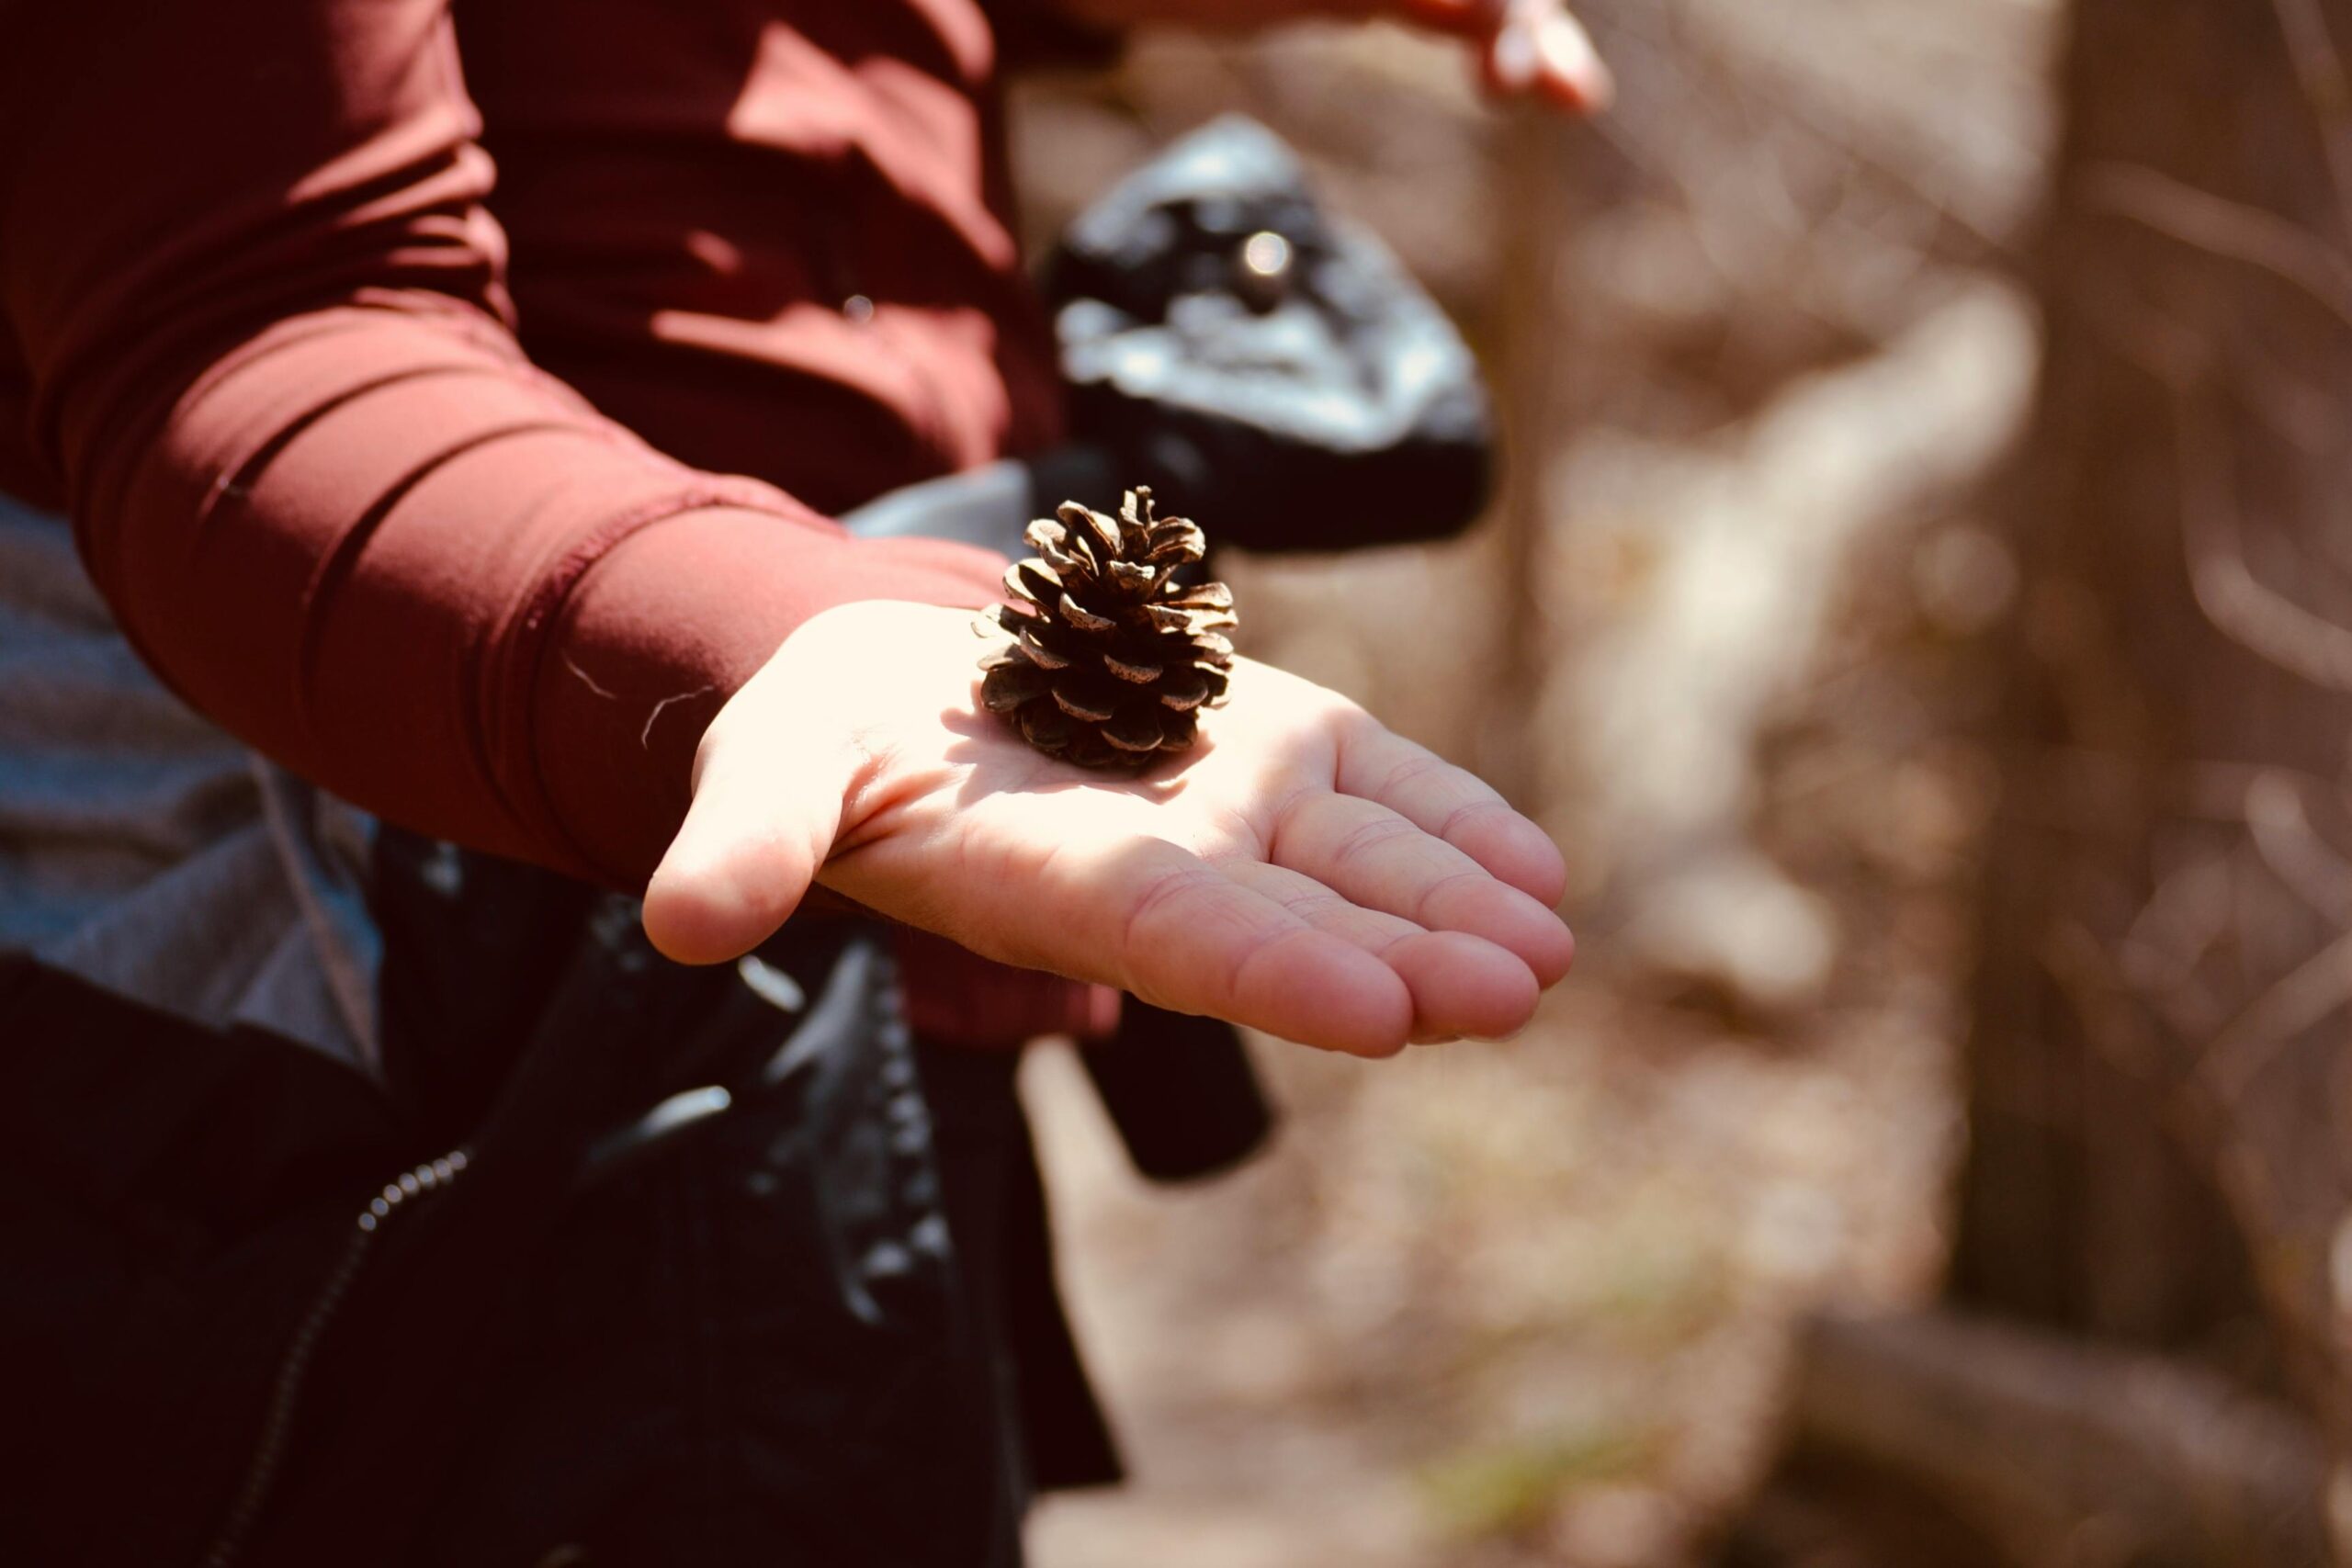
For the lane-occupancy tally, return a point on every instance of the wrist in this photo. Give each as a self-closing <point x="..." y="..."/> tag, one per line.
<point x="850" y="717"/>
<point x="664" y="629"/>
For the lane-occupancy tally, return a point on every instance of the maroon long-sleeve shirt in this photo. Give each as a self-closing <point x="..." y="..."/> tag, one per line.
<point x="259" y="339"/>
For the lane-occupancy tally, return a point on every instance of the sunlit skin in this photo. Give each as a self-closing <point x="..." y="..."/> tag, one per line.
<point x="1522" y="48"/>
<point x="1302" y="871"/>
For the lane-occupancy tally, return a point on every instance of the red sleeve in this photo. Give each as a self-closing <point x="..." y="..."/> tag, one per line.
<point x="1041" y="33"/>
<point x="245" y="260"/>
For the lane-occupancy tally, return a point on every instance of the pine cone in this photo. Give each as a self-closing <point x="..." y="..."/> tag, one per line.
<point x="1112" y="661"/>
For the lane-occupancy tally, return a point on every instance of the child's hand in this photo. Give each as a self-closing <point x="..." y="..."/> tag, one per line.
<point x="1524" y="48"/>
<point x="1302" y="871"/>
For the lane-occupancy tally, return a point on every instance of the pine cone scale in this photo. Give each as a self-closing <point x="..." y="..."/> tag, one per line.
<point x="1043" y="654"/>
<point x="1082" y="706"/>
<point x="1008" y="686"/>
<point x="1135" y="729"/>
<point x="1185" y="693"/>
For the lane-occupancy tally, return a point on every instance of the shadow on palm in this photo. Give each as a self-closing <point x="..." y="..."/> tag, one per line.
<point x="994" y="760"/>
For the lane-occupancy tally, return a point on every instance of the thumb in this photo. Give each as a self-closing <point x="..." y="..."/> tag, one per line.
<point x="767" y="805"/>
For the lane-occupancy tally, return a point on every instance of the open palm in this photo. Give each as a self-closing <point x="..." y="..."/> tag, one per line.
<point x="1303" y="871"/>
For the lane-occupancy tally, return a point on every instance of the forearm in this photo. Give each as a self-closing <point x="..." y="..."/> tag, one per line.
<point x="417" y="571"/>
<point x="313" y="473"/>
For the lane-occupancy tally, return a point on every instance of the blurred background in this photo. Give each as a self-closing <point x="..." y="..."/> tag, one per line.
<point x="1921" y="606"/>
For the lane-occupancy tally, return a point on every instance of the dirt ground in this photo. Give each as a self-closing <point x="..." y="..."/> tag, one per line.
<point x="1761" y="351"/>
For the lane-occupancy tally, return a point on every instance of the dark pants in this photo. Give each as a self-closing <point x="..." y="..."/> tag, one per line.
<point x="784" y="1332"/>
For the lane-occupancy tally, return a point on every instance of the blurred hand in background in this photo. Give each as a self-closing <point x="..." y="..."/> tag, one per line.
<point x="1523" y="48"/>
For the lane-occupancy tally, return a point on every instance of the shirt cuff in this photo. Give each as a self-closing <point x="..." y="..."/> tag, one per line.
<point x="655" y="635"/>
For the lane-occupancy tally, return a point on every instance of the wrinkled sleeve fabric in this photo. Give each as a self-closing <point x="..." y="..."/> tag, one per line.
<point x="247" y="265"/>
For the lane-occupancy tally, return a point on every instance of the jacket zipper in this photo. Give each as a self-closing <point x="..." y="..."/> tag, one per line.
<point x="293" y="1368"/>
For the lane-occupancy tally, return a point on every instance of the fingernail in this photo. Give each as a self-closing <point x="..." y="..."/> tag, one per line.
<point x="1565" y="52"/>
<point x="1516" y="57"/>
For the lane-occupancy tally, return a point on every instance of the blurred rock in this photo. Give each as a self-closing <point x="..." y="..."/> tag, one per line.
<point x="1618" y="1527"/>
<point x="1966" y="579"/>
<point x="1659" y="716"/>
<point x="2339" y="1511"/>
<point x="1736" y="932"/>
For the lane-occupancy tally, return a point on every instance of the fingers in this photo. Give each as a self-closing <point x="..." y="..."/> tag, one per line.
<point x="1158" y="920"/>
<point x="1541" y="50"/>
<point x="1452" y="804"/>
<point x="1529" y="47"/>
<point x="1460" y="985"/>
<point x="1374" y="856"/>
<point x="1195" y="939"/>
<point x="762" y="821"/>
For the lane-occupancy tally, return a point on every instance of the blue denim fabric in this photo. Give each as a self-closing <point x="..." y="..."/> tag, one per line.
<point x="145" y="850"/>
